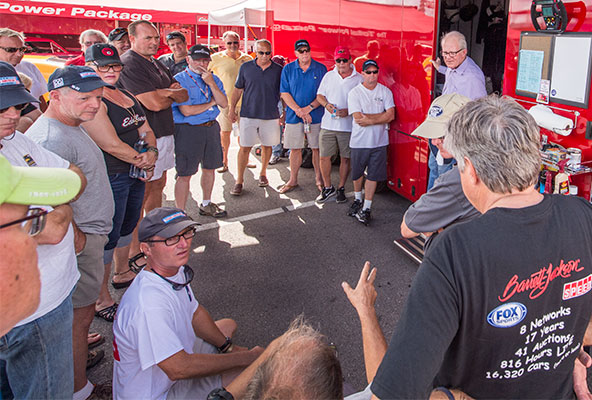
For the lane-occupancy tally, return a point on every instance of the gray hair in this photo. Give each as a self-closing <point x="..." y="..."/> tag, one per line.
<point x="500" y="139"/>
<point x="7" y="32"/>
<point x="263" y="42"/>
<point x="230" y="33"/>
<point x="459" y="37"/>
<point x="304" y="366"/>
<point x="92" y="32"/>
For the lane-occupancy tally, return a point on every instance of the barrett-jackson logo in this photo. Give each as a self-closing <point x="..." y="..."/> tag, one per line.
<point x="539" y="281"/>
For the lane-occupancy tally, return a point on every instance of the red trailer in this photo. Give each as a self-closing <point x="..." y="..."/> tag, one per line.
<point x="404" y="35"/>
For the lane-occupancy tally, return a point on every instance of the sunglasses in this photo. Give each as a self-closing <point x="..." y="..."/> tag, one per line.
<point x="18" y="107"/>
<point x="173" y="240"/>
<point x="261" y="53"/>
<point x="341" y="60"/>
<point x="302" y="51"/>
<point x="117" y="31"/>
<point x="33" y="223"/>
<point x="375" y="71"/>
<point x="175" y="36"/>
<point x="106" y="68"/>
<point x="229" y="43"/>
<point x="14" y="49"/>
<point x="178" y="286"/>
<point x="450" y="53"/>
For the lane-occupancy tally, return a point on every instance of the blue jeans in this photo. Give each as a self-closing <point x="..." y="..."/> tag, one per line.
<point x="278" y="149"/>
<point x="128" y="194"/>
<point x="36" y="358"/>
<point x="436" y="170"/>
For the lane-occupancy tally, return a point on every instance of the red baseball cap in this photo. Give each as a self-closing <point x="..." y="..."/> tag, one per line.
<point x="341" y="52"/>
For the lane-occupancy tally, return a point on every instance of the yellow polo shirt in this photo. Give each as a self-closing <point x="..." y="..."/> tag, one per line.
<point x="226" y="68"/>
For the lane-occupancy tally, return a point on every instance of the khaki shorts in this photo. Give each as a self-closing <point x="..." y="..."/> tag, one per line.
<point x="92" y="270"/>
<point x="294" y="136"/>
<point x="330" y="141"/>
<point x="254" y="131"/>
<point x="224" y="121"/>
<point x="166" y="156"/>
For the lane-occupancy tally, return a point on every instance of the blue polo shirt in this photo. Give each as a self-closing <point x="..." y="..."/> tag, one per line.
<point x="261" y="90"/>
<point x="199" y="93"/>
<point x="303" y="87"/>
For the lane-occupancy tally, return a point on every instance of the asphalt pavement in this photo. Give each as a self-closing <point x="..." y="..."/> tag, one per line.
<point x="275" y="257"/>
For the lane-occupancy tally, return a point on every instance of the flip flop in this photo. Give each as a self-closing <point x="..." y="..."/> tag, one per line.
<point x="94" y="357"/>
<point x="107" y="313"/>
<point x="95" y="339"/>
<point x="287" y="188"/>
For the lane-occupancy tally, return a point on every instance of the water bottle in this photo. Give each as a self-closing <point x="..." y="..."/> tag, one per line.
<point x="306" y="127"/>
<point x="140" y="146"/>
<point x="334" y="113"/>
<point x="235" y="129"/>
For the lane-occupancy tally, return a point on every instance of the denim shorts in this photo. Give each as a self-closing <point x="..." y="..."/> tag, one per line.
<point x="36" y="358"/>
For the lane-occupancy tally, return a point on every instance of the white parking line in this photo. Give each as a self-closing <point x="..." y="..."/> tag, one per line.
<point x="296" y="205"/>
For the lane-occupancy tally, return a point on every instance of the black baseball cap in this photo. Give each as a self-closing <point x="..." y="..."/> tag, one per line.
<point x="12" y="90"/>
<point x="301" y="43"/>
<point x="102" y="54"/>
<point x="369" y="63"/>
<point x="117" y="34"/>
<point x="76" y="77"/>
<point x="199" y="51"/>
<point x="164" y="222"/>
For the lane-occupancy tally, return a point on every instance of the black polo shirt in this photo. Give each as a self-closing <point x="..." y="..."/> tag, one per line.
<point x="142" y="76"/>
<point x="169" y="61"/>
<point x="261" y="90"/>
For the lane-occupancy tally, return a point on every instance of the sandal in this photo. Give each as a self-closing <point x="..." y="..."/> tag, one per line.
<point x="94" y="357"/>
<point x="95" y="339"/>
<point x="108" y="313"/>
<point x="133" y="265"/>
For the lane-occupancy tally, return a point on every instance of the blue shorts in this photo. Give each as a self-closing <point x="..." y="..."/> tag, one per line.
<point x="371" y="160"/>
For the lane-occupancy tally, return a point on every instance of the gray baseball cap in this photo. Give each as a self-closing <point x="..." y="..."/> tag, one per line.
<point x="164" y="222"/>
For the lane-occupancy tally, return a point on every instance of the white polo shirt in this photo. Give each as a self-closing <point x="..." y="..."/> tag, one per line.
<point x="335" y="89"/>
<point x="367" y="101"/>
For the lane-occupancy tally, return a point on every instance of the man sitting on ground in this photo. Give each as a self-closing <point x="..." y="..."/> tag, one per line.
<point x="165" y="343"/>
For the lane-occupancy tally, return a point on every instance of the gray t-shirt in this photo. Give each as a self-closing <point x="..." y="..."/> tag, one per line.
<point x="442" y="206"/>
<point x="93" y="211"/>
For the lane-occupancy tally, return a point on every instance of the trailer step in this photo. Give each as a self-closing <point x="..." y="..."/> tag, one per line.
<point x="413" y="247"/>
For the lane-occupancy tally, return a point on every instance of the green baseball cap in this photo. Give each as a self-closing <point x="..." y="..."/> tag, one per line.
<point x="440" y="112"/>
<point x="37" y="185"/>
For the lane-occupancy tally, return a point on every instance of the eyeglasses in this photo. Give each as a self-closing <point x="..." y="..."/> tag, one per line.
<point x="106" y="68"/>
<point x="374" y="71"/>
<point x="302" y="51"/>
<point x="450" y="53"/>
<point x="261" y="53"/>
<point x="33" y="223"/>
<point x="229" y="43"/>
<point x="18" y="107"/>
<point x="175" y="36"/>
<point x="178" y="286"/>
<point x="173" y="240"/>
<point x="341" y="60"/>
<point x="14" y="49"/>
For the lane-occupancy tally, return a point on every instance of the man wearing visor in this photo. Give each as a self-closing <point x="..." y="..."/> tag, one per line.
<point x="166" y="344"/>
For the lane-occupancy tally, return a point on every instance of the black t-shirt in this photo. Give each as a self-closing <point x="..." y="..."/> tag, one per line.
<point x="126" y="122"/>
<point x="143" y="76"/>
<point x="261" y="90"/>
<point x="498" y="308"/>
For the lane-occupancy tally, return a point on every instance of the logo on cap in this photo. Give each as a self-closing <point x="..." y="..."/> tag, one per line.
<point x="107" y="51"/>
<point x="89" y="75"/>
<point x="58" y="82"/>
<point x="435" y="111"/>
<point x="9" y="81"/>
<point x="171" y="217"/>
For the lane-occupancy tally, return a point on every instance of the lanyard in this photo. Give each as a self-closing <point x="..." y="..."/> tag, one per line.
<point x="199" y="87"/>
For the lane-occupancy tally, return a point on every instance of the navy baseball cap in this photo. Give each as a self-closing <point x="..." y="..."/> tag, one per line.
<point x="76" y="77"/>
<point x="164" y="222"/>
<point x="199" y="51"/>
<point x="369" y="63"/>
<point x="12" y="90"/>
<point x="301" y="43"/>
<point x="102" y="54"/>
<point x="117" y="34"/>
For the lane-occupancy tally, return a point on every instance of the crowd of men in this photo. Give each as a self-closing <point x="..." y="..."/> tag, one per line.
<point x="477" y="321"/>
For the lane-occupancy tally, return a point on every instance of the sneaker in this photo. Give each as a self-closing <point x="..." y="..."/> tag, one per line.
<point x="326" y="194"/>
<point x="274" y="160"/>
<point x="340" y="198"/>
<point x="364" y="216"/>
<point x="213" y="210"/>
<point x="354" y="208"/>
